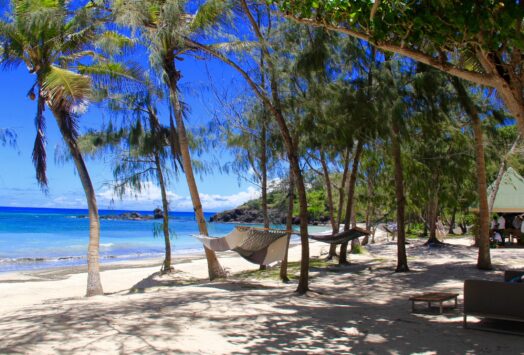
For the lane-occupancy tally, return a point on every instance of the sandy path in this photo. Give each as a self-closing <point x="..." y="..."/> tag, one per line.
<point x="362" y="308"/>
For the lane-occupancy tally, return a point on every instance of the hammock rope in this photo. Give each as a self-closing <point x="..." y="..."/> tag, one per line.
<point x="264" y="246"/>
<point x="256" y="245"/>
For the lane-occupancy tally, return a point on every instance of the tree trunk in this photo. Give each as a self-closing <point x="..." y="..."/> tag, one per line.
<point x="167" y="267"/>
<point x="331" y="207"/>
<point x="355" y="243"/>
<point x="263" y="170"/>
<point x="341" y="198"/>
<point x="402" y="260"/>
<point x="94" y="285"/>
<point x="214" y="268"/>
<point x="452" y="222"/>
<point x="349" y="204"/>
<point x="275" y="108"/>
<point x="289" y="225"/>
<point x="432" y="220"/>
<point x="514" y="101"/>
<point x="484" y="257"/>
<point x="463" y="227"/>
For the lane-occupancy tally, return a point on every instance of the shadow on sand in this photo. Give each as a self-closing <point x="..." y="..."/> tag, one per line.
<point x="362" y="308"/>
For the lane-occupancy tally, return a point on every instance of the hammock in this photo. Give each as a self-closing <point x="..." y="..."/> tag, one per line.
<point x="341" y="237"/>
<point x="258" y="246"/>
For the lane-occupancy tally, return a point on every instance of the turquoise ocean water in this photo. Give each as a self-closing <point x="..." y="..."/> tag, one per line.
<point x="38" y="238"/>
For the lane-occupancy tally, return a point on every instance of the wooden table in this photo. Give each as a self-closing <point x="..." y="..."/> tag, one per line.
<point x="430" y="297"/>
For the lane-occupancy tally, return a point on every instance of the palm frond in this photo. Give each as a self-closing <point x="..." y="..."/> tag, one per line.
<point x="11" y="45"/>
<point x="209" y="14"/>
<point x="7" y="137"/>
<point x="74" y="57"/>
<point x="65" y="89"/>
<point x="39" y="155"/>
<point x="114" y="43"/>
<point x="113" y="75"/>
<point x="235" y="46"/>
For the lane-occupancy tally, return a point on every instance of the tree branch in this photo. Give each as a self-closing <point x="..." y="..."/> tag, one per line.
<point x="477" y="78"/>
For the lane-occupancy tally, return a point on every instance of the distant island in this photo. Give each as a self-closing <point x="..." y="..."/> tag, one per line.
<point x="131" y="216"/>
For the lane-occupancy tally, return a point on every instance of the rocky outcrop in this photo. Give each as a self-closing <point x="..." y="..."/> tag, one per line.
<point x="130" y="216"/>
<point x="158" y="213"/>
<point x="245" y="214"/>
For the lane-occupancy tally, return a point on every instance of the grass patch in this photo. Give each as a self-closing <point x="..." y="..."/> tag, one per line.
<point x="273" y="273"/>
<point x="358" y="249"/>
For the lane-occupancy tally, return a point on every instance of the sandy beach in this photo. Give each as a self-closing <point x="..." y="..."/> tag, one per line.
<point x="360" y="308"/>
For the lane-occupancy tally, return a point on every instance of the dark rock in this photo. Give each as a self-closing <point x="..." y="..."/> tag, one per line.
<point x="128" y="216"/>
<point x="158" y="213"/>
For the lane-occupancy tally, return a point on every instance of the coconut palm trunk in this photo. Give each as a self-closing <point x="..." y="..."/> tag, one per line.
<point x="214" y="268"/>
<point x="94" y="286"/>
<point x="484" y="257"/>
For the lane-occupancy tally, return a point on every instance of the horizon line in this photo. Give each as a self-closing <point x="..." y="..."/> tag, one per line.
<point x="100" y="209"/>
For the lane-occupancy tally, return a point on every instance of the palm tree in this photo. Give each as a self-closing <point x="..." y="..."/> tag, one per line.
<point x="164" y="26"/>
<point x="141" y="148"/>
<point x="51" y="38"/>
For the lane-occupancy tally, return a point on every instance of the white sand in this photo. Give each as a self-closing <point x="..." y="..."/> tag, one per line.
<point x="361" y="308"/>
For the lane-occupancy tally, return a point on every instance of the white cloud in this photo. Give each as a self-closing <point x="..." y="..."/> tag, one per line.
<point x="150" y="197"/>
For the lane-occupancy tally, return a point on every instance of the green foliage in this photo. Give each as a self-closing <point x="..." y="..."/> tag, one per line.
<point x="440" y="25"/>
<point x="358" y="249"/>
<point x="158" y="231"/>
<point x="8" y="137"/>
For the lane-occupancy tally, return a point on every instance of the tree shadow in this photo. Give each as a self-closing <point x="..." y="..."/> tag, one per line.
<point x="363" y="308"/>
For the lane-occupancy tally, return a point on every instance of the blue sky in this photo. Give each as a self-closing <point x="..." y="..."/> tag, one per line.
<point x="17" y="177"/>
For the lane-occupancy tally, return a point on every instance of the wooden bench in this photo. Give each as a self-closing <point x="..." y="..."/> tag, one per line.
<point x="433" y="297"/>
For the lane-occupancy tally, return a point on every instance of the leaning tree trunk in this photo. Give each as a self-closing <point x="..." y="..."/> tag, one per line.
<point x="94" y="286"/>
<point x="167" y="267"/>
<point x="214" y="268"/>
<point x="331" y="207"/>
<point x="291" y="148"/>
<point x="484" y="257"/>
<point x="511" y="94"/>
<point x="275" y="108"/>
<point x="402" y="260"/>
<point x="343" y="258"/>
<point x="289" y="226"/>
